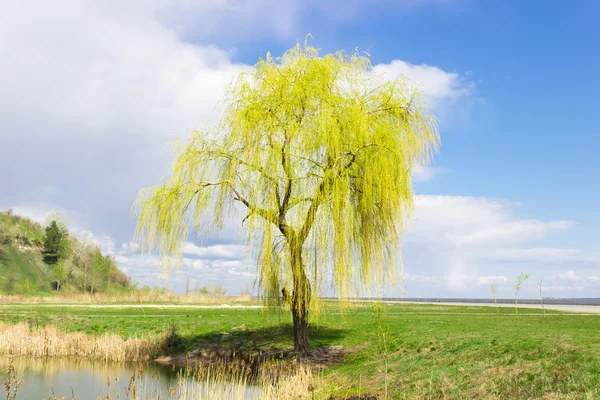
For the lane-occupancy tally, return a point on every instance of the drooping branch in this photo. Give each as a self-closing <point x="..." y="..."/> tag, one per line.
<point x="288" y="172"/>
<point x="231" y="157"/>
<point x="311" y="148"/>
<point x="266" y="214"/>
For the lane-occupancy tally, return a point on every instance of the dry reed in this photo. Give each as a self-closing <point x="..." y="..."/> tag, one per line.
<point x="133" y="297"/>
<point x="21" y="340"/>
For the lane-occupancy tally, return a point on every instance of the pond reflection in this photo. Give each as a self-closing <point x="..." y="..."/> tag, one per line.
<point x="89" y="380"/>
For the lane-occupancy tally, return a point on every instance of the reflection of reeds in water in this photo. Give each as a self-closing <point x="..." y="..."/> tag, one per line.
<point x="21" y="340"/>
<point x="295" y="381"/>
<point x="282" y="381"/>
<point x="51" y="367"/>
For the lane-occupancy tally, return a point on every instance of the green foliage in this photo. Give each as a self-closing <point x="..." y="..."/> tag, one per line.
<point x="59" y="274"/>
<point x="204" y="291"/>
<point x="26" y="269"/>
<point x="519" y="283"/>
<point x="74" y="265"/>
<point x="10" y="282"/>
<point x="16" y="230"/>
<point x="159" y="290"/>
<point x="213" y="290"/>
<point x="99" y="273"/>
<point x="56" y="243"/>
<point x="318" y="151"/>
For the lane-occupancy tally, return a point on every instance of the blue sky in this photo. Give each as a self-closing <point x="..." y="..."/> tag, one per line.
<point x="93" y="92"/>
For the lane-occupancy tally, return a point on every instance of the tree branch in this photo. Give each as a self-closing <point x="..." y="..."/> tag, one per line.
<point x="266" y="214"/>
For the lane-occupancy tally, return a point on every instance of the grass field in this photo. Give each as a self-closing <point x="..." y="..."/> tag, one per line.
<point x="408" y="351"/>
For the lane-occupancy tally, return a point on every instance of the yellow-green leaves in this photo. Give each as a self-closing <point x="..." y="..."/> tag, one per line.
<point x="318" y="155"/>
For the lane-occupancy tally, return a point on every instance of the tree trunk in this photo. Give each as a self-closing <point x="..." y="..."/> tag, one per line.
<point x="301" y="341"/>
<point x="300" y="301"/>
<point x="85" y="278"/>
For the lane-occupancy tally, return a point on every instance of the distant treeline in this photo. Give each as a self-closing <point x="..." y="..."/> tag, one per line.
<point x="35" y="259"/>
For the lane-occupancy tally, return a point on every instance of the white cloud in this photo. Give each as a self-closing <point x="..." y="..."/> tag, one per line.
<point x="434" y="82"/>
<point x="423" y="173"/>
<point x="196" y="264"/>
<point x="463" y="221"/>
<point x="129" y="247"/>
<point x="569" y="276"/>
<point x="227" y="251"/>
<point x="474" y="241"/>
<point x="233" y="271"/>
<point x="104" y="73"/>
<point x="492" y="280"/>
<point x="105" y="243"/>
<point x="40" y="213"/>
<point x="418" y="278"/>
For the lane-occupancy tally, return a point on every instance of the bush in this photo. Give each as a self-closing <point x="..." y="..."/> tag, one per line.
<point x="10" y="283"/>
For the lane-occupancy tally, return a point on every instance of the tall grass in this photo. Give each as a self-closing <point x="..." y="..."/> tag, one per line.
<point x="133" y="297"/>
<point x="11" y="383"/>
<point x="49" y="341"/>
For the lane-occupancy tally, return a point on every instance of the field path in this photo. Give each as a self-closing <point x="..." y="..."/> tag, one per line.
<point x="556" y="307"/>
<point x="142" y="305"/>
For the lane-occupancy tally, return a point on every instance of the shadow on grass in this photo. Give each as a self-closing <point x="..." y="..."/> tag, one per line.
<point x="254" y="345"/>
<point x="279" y="337"/>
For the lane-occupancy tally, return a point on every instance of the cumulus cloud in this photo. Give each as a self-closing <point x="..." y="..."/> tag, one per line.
<point x="463" y="221"/>
<point x="118" y="83"/>
<point x="129" y="247"/>
<point x="434" y="82"/>
<point x="424" y="173"/>
<point x="474" y="242"/>
<point x="216" y="251"/>
<point x="569" y="276"/>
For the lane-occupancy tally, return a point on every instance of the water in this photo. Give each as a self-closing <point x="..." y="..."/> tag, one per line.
<point x="88" y="380"/>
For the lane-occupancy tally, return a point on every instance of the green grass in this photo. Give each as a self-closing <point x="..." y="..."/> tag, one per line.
<point x="29" y="272"/>
<point x="432" y="351"/>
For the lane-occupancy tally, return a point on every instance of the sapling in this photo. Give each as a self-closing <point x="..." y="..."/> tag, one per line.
<point x="494" y="287"/>
<point x="540" y="282"/>
<point x="11" y="383"/>
<point x="382" y="335"/>
<point x="520" y="280"/>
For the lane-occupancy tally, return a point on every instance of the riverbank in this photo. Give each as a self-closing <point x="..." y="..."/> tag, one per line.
<point x="24" y="340"/>
<point x="408" y="351"/>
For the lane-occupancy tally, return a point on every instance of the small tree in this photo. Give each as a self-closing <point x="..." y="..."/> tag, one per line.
<point x="494" y="287"/>
<point x="56" y="243"/>
<point x="10" y="282"/>
<point x="99" y="272"/>
<point x="540" y="283"/>
<point x="83" y="254"/>
<point x="59" y="273"/>
<point x="203" y="291"/>
<point x="218" y="290"/>
<point x="520" y="280"/>
<point x="318" y="153"/>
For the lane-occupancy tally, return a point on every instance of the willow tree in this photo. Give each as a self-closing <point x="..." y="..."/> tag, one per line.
<point x="317" y="151"/>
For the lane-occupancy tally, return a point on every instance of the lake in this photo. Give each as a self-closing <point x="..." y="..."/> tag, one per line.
<point x="88" y="380"/>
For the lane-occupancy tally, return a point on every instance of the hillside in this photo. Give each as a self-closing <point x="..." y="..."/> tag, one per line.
<point x="37" y="260"/>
